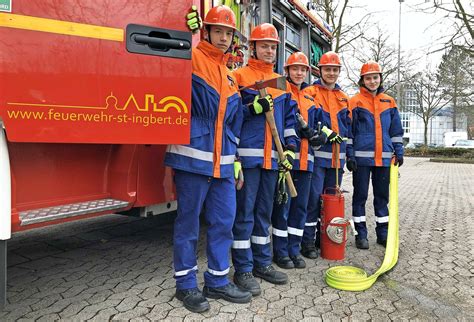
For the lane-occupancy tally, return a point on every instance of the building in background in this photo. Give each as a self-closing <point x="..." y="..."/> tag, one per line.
<point x="438" y="125"/>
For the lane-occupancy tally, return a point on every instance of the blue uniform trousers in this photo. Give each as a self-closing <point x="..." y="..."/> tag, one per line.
<point x="217" y="197"/>
<point x="251" y="246"/>
<point x="380" y="186"/>
<point x="289" y="219"/>
<point x="322" y="178"/>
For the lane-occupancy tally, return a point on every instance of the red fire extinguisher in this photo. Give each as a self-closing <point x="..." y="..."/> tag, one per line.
<point x="333" y="223"/>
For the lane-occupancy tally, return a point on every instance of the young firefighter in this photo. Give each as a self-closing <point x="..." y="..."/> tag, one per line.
<point x="289" y="219"/>
<point x="251" y="250"/>
<point x="204" y="169"/>
<point x="378" y="135"/>
<point x="336" y="125"/>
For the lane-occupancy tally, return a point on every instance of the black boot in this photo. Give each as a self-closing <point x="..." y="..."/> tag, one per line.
<point x="382" y="241"/>
<point x="229" y="292"/>
<point x="309" y="251"/>
<point x="247" y="282"/>
<point x="317" y="241"/>
<point x="193" y="300"/>
<point x="298" y="261"/>
<point x="284" y="262"/>
<point x="362" y="243"/>
<point x="270" y="274"/>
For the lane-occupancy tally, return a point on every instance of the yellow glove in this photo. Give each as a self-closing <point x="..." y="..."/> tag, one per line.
<point x="238" y="175"/>
<point x="261" y="104"/>
<point x="193" y="20"/>
<point x="333" y="137"/>
<point x="282" y="195"/>
<point x="287" y="163"/>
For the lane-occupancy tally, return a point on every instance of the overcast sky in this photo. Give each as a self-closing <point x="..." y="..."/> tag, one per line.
<point x="420" y="31"/>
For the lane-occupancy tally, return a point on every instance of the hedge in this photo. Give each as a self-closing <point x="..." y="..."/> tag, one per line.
<point x="441" y="152"/>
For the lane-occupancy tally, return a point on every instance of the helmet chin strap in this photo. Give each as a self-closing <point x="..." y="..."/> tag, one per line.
<point x="288" y="78"/>
<point x="208" y="39"/>
<point x="326" y="84"/>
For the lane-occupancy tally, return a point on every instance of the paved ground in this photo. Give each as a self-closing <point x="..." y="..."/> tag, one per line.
<point x="120" y="268"/>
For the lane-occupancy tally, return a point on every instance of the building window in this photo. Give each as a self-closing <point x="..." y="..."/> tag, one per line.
<point x="405" y="118"/>
<point x="293" y="35"/>
<point x="288" y="52"/>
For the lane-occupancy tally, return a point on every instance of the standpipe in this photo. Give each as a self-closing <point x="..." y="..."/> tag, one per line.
<point x="349" y="278"/>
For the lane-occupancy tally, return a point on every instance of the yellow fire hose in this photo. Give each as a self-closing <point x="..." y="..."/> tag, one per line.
<point x="349" y="278"/>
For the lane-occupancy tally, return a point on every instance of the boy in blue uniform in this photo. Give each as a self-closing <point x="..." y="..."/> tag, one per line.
<point x="204" y="169"/>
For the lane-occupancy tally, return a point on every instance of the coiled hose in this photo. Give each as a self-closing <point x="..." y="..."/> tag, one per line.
<point x="349" y="278"/>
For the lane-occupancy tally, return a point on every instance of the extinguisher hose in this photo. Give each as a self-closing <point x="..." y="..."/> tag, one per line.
<point x="349" y="278"/>
<point x="336" y="230"/>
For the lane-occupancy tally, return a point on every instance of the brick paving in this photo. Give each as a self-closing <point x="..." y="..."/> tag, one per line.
<point x="120" y="268"/>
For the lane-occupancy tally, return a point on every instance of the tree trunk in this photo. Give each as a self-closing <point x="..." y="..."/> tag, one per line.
<point x="455" y="92"/>
<point x="454" y="112"/>
<point x="425" y="124"/>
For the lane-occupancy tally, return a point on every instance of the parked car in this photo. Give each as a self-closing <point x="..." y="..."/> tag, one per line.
<point x="413" y="145"/>
<point x="464" y="144"/>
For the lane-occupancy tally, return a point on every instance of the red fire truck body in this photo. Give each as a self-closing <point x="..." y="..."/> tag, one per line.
<point x="90" y="94"/>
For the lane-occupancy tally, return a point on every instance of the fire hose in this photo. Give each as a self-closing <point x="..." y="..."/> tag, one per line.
<point x="349" y="278"/>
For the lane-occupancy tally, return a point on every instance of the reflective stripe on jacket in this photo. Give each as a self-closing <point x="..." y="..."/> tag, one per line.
<point x="335" y="115"/>
<point x="376" y="127"/>
<point x="256" y="147"/>
<point x="216" y="118"/>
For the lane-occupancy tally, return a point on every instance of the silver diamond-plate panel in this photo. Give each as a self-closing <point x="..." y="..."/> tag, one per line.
<point x="69" y="210"/>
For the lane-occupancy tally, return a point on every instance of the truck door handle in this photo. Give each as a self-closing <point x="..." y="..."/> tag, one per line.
<point x="164" y="43"/>
<point x="156" y="41"/>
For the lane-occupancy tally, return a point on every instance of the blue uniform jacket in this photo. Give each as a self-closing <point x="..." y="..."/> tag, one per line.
<point x="377" y="129"/>
<point x="312" y="115"/>
<point x="256" y="147"/>
<point x="335" y="115"/>
<point x="216" y="118"/>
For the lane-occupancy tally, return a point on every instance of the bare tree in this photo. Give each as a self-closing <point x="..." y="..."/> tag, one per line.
<point x="379" y="49"/>
<point x="430" y="101"/>
<point x="456" y="13"/>
<point x="455" y="74"/>
<point x="345" y="30"/>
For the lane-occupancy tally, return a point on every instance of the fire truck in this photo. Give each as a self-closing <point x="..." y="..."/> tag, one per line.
<point x="91" y="92"/>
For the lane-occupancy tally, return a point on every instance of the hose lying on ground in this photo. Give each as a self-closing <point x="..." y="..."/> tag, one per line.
<point x="349" y="278"/>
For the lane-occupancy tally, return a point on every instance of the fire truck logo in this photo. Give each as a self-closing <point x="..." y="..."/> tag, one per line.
<point x="164" y="105"/>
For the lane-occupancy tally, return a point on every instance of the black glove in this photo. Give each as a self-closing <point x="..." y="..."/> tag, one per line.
<point x="318" y="140"/>
<point x="307" y="132"/>
<point x="351" y="165"/>
<point x="399" y="160"/>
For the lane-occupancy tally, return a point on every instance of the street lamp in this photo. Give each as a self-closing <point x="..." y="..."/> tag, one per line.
<point x="399" y="91"/>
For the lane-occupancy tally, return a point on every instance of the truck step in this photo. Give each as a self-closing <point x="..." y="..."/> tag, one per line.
<point x="69" y="210"/>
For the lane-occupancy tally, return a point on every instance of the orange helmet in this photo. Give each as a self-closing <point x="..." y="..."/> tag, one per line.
<point x="221" y="16"/>
<point x="297" y="58"/>
<point x="330" y="59"/>
<point x="265" y="31"/>
<point x="370" y="67"/>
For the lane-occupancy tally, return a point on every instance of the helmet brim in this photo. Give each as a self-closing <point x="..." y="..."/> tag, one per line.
<point x="265" y="39"/>
<point x="296" y="64"/>
<point x="219" y="24"/>
<point x="370" y="73"/>
<point x="334" y="65"/>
